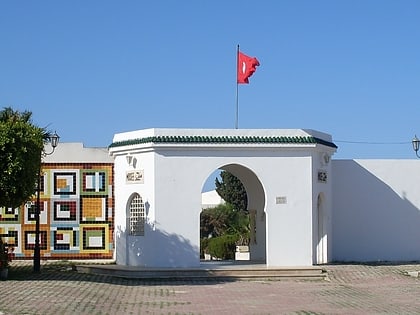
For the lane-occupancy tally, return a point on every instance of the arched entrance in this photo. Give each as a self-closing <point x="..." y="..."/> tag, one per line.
<point x="322" y="241"/>
<point x="255" y="207"/>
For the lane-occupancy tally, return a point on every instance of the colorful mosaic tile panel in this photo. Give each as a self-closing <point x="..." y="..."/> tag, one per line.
<point x="9" y="215"/>
<point x="45" y="187"/>
<point x="65" y="239"/>
<point x="30" y="239"/>
<point x="94" y="238"/>
<point x="93" y="208"/>
<point x="65" y="183"/>
<point x="65" y="210"/>
<point x="76" y="214"/>
<point x="94" y="182"/>
<point x="30" y="212"/>
<point x="10" y="235"/>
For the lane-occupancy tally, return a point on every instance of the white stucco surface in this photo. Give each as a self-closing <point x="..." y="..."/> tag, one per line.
<point x="281" y="180"/>
<point x="376" y="210"/>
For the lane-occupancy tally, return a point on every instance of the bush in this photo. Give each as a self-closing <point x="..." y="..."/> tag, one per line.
<point x="222" y="247"/>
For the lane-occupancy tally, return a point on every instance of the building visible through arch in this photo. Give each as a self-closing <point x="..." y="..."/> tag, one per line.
<point x="284" y="173"/>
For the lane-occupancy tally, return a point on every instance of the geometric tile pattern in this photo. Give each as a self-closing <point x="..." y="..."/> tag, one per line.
<point x="94" y="238"/>
<point x="9" y="215"/>
<point x="29" y="239"/>
<point x="93" y="209"/>
<point x="64" y="210"/>
<point x="94" y="182"/>
<point x="65" y="239"/>
<point x="65" y="183"/>
<point x="30" y="212"/>
<point x="10" y="235"/>
<point x="76" y="214"/>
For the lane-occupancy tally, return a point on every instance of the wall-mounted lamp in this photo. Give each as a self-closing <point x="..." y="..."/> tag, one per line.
<point x="129" y="158"/>
<point x="416" y="145"/>
<point x="53" y="140"/>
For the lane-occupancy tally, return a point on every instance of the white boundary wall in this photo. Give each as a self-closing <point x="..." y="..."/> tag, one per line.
<point x="376" y="210"/>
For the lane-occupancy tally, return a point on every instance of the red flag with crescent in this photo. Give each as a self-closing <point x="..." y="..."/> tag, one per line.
<point x="246" y="67"/>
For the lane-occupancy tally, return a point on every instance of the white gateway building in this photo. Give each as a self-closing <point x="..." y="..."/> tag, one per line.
<point x="159" y="177"/>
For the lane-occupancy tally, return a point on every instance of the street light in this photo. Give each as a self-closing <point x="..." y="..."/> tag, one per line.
<point x="53" y="139"/>
<point x="416" y="145"/>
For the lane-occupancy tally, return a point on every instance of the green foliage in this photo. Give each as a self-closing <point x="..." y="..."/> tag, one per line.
<point x="221" y="229"/>
<point x="222" y="247"/>
<point x="223" y="219"/>
<point x="215" y="221"/>
<point x="231" y="189"/>
<point x="225" y="226"/>
<point x="21" y="144"/>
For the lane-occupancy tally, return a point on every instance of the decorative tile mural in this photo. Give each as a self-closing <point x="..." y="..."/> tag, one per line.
<point x="76" y="214"/>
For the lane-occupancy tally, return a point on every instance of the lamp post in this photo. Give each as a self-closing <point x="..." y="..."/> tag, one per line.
<point x="416" y="145"/>
<point x="53" y="139"/>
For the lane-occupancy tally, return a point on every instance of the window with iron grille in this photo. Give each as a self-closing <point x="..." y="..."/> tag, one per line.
<point x="137" y="216"/>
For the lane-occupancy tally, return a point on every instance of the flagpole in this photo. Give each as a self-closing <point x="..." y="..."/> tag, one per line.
<point x="237" y="89"/>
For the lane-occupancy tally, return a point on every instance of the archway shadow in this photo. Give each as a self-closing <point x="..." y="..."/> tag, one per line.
<point x="169" y="250"/>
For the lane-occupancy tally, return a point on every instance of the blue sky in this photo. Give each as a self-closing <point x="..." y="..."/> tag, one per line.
<point x="90" y="69"/>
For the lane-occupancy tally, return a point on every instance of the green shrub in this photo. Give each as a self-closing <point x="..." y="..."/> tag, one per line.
<point x="222" y="247"/>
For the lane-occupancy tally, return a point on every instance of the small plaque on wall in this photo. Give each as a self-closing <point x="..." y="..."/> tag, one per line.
<point x="281" y="200"/>
<point x="134" y="177"/>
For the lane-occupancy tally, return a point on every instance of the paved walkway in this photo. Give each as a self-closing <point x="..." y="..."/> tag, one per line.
<point x="350" y="289"/>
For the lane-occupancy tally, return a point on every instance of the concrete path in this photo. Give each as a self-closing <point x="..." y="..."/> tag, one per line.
<point x="349" y="289"/>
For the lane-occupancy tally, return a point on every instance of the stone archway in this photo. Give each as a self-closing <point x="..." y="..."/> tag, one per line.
<point x="256" y="208"/>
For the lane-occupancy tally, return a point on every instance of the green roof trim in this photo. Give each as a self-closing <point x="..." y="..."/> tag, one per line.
<point x="224" y="140"/>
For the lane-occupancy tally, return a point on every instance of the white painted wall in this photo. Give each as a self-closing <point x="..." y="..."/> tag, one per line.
<point x="174" y="175"/>
<point x="134" y="251"/>
<point x="376" y="210"/>
<point x="322" y="213"/>
<point x="289" y="225"/>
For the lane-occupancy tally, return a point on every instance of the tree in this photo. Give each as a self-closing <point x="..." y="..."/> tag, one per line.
<point x="21" y="145"/>
<point x="221" y="229"/>
<point x="231" y="189"/>
<point x="227" y="225"/>
<point x="214" y="221"/>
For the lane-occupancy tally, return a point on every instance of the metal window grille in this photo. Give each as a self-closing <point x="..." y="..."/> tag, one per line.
<point x="137" y="216"/>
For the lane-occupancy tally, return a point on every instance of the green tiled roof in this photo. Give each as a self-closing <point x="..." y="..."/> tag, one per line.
<point x="225" y="140"/>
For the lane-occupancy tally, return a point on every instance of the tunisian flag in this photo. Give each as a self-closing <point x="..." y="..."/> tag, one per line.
<point x="246" y="67"/>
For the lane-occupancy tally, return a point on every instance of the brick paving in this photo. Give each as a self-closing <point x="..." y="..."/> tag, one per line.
<point x="349" y="289"/>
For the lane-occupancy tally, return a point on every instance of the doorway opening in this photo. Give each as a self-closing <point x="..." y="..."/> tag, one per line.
<point x="322" y="241"/>
<point x="233" y="227"/>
